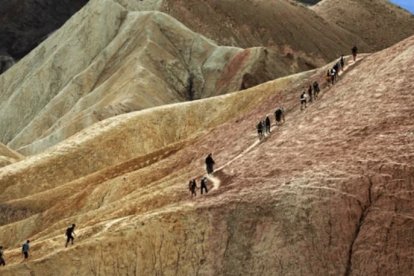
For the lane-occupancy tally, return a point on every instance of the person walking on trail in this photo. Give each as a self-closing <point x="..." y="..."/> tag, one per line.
<point x="303" y="100"/>
<point x="2" y="261"/>
<point x="26" y="249"/>
<point x="267" y="124"/>
<point x="203" y="185"/>
<point x="337" y="67"/>
<point x="210" y="164"/>
<point x="328" y="77"/>
<point x="342" y="62"/>
<point x="260" y="130"/>
<point x="310" y="93"/>
<point x="354" y="53"/>
<point x="316" y="89"/>
<point x="192" y="187"/>
<point x="70" y="232"/>
<point x="280" y="115"/>
<point x="333" y="76"/>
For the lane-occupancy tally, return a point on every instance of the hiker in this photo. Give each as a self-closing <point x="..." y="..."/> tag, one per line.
<point x="260" y="130"/>
<point x="310" y="93"/>
<point x="316" y="89"/>
<point x="333" y="76"/>
<point x="2" y="262"/>
<point x="303" y="100"/>
<point x="280" y="115"/>
<point x="354" y="52"/>
<point x="342" y="62"/>
<point x="192" y="187"/>
<point x="203" y="185"/>
<point x="69" y="234"/>
<point x="25" y="249"/>
<point x="328" y="77"/>
<point x="267" y="124"/>
<point x="336" y="68"/>
<point x="209" y="164"/>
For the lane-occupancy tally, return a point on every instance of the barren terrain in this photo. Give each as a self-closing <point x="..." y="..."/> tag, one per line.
<point x="327" y="193"/>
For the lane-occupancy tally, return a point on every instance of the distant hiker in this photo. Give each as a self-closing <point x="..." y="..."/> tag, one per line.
<point x="316" y="89"/>
<point x="260" y="130"/>
<point x="303" y="100"/>
<point x="210" y="164"/>
<point x="26" y="249"/>
<point x="267" y="124"/>
<point x="342" y="62"/>
<point x="337" y="67"/>
<point x="354" y="52"/>
<point x="310" y="93"/>
<point x="2" y="262"/>
<point x="192" y="187"/>
<point x="69" y="234"/>
<point x="280" y="115"/>
<point x="328" y="77"/>
<point x="203" y="185"/>
<point x="333" y="75"/>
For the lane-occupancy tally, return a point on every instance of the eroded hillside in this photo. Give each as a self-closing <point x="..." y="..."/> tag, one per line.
<point x="119" y="56"/>
<point x="327" y="193"/>
<point x="108" y="61"/>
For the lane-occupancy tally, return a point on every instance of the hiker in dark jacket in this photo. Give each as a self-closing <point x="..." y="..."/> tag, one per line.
<point x="316" y="89"/>
<point x="310" y="93"/>
<point x="267" y="124"/>
<point x="26" y="249"/>
<point x="342" y="62"/>
<point x="70" y="232"/>
<point x="354" y="52"/>
<point x="210" y="164"/>
<point x="192" y="187"/>
<point x="203" y="185"/>
<point x="260" y="130"/>
<point x="280" y="115"/>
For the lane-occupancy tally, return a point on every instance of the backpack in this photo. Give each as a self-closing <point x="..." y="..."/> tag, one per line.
<point x="69" y="232"/>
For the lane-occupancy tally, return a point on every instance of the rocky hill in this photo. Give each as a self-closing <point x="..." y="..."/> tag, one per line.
<point x="327" y="193"/>
<point x="107" y="61"/>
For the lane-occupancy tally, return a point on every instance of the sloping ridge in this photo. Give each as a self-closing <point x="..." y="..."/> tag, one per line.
<point x="339" y="202"/>
<point x="107" y="61"/>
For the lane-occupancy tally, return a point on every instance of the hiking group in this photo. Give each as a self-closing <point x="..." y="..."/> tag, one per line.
<point x="192" y="185"/>
<point x="70" y="232"/>
<point x="263" y="126"/>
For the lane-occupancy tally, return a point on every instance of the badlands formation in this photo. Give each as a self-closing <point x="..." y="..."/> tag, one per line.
<point x="115" y="57"/>
<point x="117" y="110"/>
